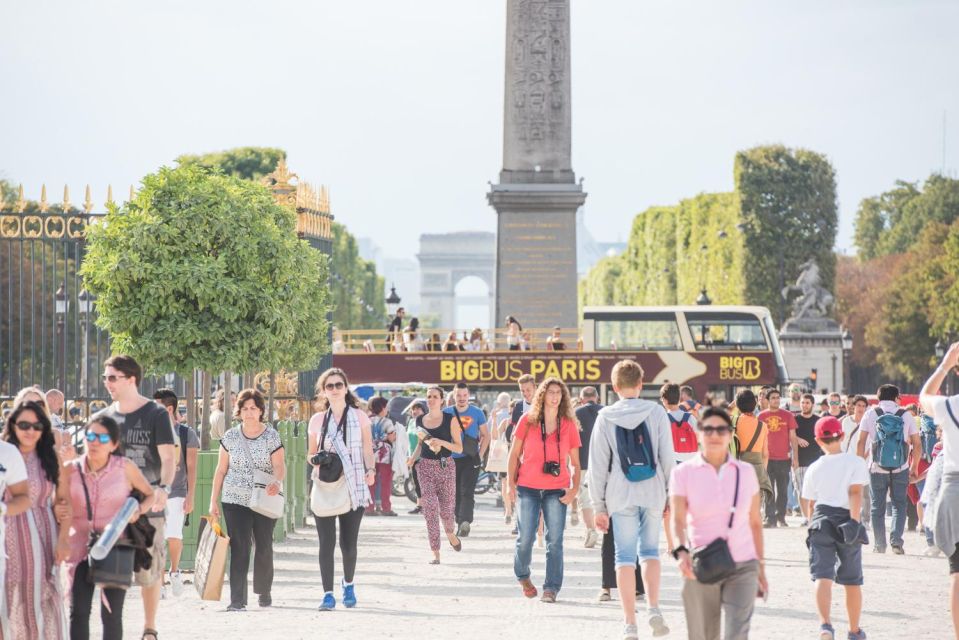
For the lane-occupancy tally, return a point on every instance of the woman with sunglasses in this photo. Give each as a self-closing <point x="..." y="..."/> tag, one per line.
<point x="35" y="541"/>
<point x="100" y="483"/>
<point x="342" y="428"/>
<point x="713" y="495"/>
<point x="439" y="437"/>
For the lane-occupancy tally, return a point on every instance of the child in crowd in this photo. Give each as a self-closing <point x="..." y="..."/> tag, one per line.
<point x="833" y="486"/>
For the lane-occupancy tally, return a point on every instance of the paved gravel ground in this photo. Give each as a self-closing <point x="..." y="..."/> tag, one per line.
<point x="473" y="594"/>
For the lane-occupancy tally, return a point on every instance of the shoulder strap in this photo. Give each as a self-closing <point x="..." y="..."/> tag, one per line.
<point x="732" y="511"/>
<point x="879" y="411"/>
<point x="951" y="414"/>
<point x="752" y="442"/>
<point x="86" y="493"/>
<point x="685" y="418"/>
<point x="184" y="439"/>
<point x="900" y="413"/>
<point x="673" y="420"/>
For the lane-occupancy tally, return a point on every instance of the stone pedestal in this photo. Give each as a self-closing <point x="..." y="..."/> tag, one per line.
<point x="814" y="343"/>
<point x="537" y="196"/>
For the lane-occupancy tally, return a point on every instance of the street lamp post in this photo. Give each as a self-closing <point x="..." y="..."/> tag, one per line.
<point x="392" y="306"/>
<point x="846" y="352"/>
<point x="61" y="307"/>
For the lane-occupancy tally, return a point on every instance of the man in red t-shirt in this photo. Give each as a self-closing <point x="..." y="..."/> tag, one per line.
<point x="783" y="456"/>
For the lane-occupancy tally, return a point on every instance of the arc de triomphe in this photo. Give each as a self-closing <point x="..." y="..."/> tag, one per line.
<point x="447" y="258"/>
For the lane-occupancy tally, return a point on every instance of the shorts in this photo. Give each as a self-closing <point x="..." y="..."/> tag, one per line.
<point x="954" y="561"/>
<point x="174" y="519"/>
<point x="148" y="577"/>
<point x="830" y="559"/>
<point x="636" y="534"/>
<point x="583" y="496"/>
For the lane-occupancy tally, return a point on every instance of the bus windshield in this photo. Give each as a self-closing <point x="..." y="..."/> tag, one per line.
<point x="726" y="331"/>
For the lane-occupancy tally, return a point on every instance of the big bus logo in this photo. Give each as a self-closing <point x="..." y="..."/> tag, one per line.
<point x="739" y="368"/>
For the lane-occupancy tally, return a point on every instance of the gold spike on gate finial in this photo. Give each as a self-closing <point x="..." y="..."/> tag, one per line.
<point x="44" y="205"/>
<point x="87" y="201"/>
<point x="66" y="198"/>
<point x="21" y="203"/>
<point x="110" y="202"/>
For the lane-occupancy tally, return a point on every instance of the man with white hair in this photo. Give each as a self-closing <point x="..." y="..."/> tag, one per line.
<point x="55" y="399"/>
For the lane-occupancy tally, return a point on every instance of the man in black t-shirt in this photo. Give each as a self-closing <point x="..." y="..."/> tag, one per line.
<point x="809" y="451"/>
<point x="147" y="438"/>
<point x="586" y="414"/>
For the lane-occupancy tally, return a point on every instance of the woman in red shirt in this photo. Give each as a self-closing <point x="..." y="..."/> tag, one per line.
<point x="545" y="448"/>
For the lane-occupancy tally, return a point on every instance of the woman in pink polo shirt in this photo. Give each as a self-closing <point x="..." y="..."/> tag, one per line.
<point x="545" y="448"/>
<point x="703" y="491"/>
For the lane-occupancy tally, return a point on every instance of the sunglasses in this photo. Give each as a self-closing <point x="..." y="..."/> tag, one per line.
<point x="719" y="431"/>
<point x="330" y="386"/>
<point x="26" y="426"/>
<point x="113" y="378"/>
<point x="104" y="438"/>
<point x="834" y="402"/>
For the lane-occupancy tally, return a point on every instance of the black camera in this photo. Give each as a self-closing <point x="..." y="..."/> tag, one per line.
<point x="552" y="468"/>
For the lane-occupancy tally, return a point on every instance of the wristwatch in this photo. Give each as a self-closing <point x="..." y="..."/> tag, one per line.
<point x="676" y="551"/>
<point x="166" y="488"/>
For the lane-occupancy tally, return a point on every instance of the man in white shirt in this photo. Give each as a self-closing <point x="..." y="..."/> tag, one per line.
<point x="893" y="482"/>
<point x="13" y="479"/>
<point x="850" y="428"/>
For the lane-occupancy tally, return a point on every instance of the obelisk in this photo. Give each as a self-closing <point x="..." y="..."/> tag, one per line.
<point x="537" y="195"/>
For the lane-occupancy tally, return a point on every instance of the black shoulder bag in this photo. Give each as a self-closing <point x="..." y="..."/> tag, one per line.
<point x="116" y="570"/>
<point x="714" y="563"/>
<point x="328" y="463"/>
<point x="470" y="444"/>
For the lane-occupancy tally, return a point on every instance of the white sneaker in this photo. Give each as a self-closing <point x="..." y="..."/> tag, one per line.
<point x="656" y="622"/>
<point x="630" y="632"/>
<point x="574" y="518"/>
<point x="591" y="538"/>
<point x="163" y="592"/>
<point x="176" y="584"/>
<point x="932" y="552"/>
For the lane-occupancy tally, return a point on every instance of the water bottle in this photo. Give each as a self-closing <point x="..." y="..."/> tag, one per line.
<point x="114" y="529"/>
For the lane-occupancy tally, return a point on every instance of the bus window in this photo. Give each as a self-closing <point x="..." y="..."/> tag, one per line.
<point x="638" y="332"/>
<point x="726" y="331"/>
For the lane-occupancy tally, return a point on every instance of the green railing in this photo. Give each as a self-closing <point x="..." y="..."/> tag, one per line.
<point x="293" y="436"/>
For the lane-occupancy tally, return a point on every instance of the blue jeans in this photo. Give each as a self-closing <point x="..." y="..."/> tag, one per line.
<point x="636" y="534"/>
<point x="532" y="502"/>
<point x="894" y="485"/>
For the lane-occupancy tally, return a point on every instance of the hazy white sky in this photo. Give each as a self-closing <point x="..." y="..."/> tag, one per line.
<point x="397" y="106"/>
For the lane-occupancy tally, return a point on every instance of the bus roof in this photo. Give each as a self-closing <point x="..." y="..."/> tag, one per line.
<point x="761" y="311"/>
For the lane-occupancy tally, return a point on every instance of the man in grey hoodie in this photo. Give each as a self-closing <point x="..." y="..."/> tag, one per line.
<point x="634" y="509"/>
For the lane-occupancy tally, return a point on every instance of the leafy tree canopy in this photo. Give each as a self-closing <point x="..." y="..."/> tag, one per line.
<point x="248" y="163"/>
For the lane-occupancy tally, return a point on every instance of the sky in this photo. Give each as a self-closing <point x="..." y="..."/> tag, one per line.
<point x="397" y="106"/>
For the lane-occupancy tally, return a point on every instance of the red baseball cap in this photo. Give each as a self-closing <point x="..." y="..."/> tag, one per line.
<point x="828" y="427"/>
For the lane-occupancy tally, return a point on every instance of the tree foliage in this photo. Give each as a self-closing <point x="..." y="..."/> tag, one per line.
<point x="205" y="271"/>
<point x="358" y="300"/>
<point x="247" y="163"/>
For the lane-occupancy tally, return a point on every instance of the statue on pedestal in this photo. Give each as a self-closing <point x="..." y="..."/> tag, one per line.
<point x="814" y="300"/>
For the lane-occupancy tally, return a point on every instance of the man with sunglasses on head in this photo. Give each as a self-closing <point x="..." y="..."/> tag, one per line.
<point x="148" y="439"/>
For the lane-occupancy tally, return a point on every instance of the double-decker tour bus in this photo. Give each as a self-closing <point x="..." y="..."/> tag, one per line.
<point x="717" y="349"/>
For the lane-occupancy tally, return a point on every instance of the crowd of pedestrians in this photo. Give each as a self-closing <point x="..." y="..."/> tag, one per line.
<point x="712" y="477"/>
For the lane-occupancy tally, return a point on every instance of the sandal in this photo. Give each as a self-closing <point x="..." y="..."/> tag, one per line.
<point x="150" y="632"/>
<point x="458" y="546"/>
<point x="435" y="561"/>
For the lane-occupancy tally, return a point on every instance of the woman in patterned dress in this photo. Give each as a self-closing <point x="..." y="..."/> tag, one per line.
<point x="35" y="540"/>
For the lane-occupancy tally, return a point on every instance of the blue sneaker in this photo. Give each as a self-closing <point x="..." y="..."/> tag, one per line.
<point x="349" y="596"/>
<point x="329" y="602"/>
<point x="858" y="635"/>
<point x="826" y="632"/>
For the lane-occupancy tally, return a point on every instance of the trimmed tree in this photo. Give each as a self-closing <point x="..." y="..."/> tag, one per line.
<point x="205" y="271"/>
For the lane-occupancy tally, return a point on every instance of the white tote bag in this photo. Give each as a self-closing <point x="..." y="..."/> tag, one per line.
<point x="498" y="460"/>
<point x="329" y="498"/>
<point x="260" y="501"/>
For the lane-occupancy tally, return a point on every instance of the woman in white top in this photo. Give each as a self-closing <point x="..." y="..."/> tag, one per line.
<point x="514" y="332"/>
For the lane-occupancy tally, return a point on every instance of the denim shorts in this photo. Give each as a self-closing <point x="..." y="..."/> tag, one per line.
<point x="636" y="534"/>
<point x="830" y="559"/>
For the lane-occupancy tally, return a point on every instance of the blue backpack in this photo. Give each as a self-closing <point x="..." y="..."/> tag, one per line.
<point x="635" y="452"/>
<point x="927" y="433"/>
<point x="890" y="450"/>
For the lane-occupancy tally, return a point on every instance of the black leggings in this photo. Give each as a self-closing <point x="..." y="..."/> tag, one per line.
<point x="246" y="529"/>
<point x="81" y="600"/>
<point x="609" y="564"/>
<point x="349" y="533"/>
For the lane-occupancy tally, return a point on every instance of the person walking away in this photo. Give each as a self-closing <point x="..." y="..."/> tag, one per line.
<point x="439" y="435"/>
<point x="467" y="461"/>
<point x="101" y="480"/>
<point x="250" y="446"/>
<point x="586" y="415"/>
<point x="685" y="441"/>
<point x="945" y="512"/>
<point x="384" y="438"/>
<point x="715" y="496"/>
<point x="342" y="428"/>
<point x="417" y="409"/>
<point x="783" y="456"/>
<point x="687" y="401"/>
<point x="180" y="502"/>
<point x="752" y="443"/>
<point x="808" y="451"/>
<point x="630" y="458"/>
<point x="886" y="435"/>
<point x="36" y="541"/>
<point x="544" y="476"/>
<point x="148" y="439"/>
<point x="832" y="489"/>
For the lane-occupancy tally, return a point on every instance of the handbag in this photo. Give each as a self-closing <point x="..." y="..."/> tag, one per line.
<point x="115" y="571"/>
<point x="713" y="562"/>
<point x="260" y="501"/>
<point x="329" y="496"/>
<point x="470" y="444"/>
<point x="498" y="460"/>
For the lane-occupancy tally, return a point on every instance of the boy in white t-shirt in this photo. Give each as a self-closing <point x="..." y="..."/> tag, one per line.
<point x="833" y="486"/>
